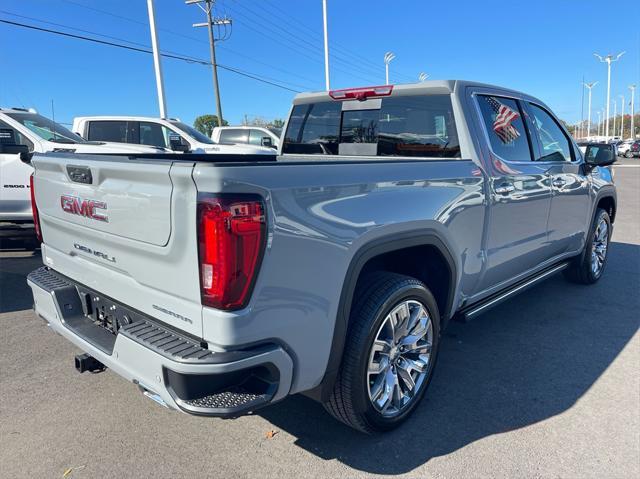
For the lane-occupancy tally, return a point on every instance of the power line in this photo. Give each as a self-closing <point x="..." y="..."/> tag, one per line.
<point x="143" y="50"/>
<point x="187" y="37"/>
<point x="335" y="46"/>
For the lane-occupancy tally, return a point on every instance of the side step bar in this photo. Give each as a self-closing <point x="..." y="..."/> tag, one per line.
<point x="470" y="312"/>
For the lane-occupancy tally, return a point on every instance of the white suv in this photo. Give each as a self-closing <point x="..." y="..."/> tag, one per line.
<point x="163" y="132"/>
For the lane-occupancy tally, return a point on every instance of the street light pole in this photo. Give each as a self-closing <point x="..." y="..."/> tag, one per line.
<point x="326" y="45"/>
<point x="156" y="59"/>
<point x="608" y="60"/>
<point x="615" y="114"/>
<point x="633" y="111"/>
<point x="622" y="119"/>
<point x="589" y="87"/>
<point x="387" y="59"/>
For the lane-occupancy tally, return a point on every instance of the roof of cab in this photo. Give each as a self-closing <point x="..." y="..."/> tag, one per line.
<point x="426" y="87"/>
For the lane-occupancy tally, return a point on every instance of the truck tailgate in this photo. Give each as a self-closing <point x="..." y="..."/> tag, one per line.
<point x="125" y="228"/>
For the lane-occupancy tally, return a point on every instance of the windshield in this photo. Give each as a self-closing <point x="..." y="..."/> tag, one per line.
<point x="45" y="128"/>
<point x="189" y="130"/>
<point x="275" y="131"/>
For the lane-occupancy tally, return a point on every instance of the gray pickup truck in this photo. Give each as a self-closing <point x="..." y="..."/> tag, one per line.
<point x="221" y="285"/>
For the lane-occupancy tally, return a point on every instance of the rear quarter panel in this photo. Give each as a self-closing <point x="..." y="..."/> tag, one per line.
<point x="319" y="215"/>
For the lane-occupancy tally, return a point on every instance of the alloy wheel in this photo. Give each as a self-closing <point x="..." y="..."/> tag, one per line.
<point x="400" y="358"/>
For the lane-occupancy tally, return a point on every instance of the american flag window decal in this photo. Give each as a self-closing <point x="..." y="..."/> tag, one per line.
<point x="503" y="121"/>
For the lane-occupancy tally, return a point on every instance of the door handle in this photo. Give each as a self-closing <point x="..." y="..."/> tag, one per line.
<point x="504" y="188"/>
<point x="558" y="182"/>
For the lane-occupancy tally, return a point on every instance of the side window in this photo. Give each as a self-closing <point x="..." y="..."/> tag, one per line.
<point x="554" y="144"/>
<point x="503" y="121"/>
<point x="18" y="137"/>
<point x="107" y="131"/>
<point x="234" y="135"/>
<point x="154" y="134"/>
<point x="255" y="137"/>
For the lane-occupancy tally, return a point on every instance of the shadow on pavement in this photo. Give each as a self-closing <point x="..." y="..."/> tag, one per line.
<point x="15" y="295"/>
<point x="523" y="362"/>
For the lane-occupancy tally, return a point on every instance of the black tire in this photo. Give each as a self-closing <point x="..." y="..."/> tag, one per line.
<point x="349" y="401"/>
<point x="580" y="270"/>
<point x="628" y="154"/>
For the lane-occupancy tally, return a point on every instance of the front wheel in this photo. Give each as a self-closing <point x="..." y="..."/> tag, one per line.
<point x="588" y="267"/>
<point x="628" y="154"/>
<point x="390" y="354"/>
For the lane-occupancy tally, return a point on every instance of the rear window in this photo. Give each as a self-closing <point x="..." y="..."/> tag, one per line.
<point x="237" y="135"/>
<point x="108" y="131"/>
<point x="413" y="126"/>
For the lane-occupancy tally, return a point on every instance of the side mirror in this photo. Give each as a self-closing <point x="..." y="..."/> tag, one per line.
<point x="267" y="141"/>
<point x="176" y="143"/>
<point x="600" y="154"/>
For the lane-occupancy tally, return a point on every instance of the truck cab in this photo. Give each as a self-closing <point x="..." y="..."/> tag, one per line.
<point x="247" y="134"/>
<point x="170" y="133"/>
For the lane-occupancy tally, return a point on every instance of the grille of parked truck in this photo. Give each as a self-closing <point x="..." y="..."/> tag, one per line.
<point x="219" y="285"/>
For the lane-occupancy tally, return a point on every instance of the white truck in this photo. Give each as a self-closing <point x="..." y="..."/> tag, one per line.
<point x="168" y="133"/>
<point x="22" y="129"/>
<point x="252" y="135"/>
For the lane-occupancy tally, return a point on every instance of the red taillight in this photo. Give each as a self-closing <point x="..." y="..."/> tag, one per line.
<point x="361" y="93"/>
<point x="34" y="210"/>
<point x="231" y="234"/>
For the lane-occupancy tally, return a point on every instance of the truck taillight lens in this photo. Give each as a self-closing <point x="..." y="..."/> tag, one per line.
<point x="231" y="240"/>
<point x="34" y="210"/>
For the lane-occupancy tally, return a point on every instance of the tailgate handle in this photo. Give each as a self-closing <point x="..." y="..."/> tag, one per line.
<point x="80" y="174"/>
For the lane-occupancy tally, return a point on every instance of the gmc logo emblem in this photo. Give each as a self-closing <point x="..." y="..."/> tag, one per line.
<point x="86" y="208"/>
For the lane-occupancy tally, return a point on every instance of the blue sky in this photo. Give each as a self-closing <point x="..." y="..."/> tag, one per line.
<point x="542" y="47"/>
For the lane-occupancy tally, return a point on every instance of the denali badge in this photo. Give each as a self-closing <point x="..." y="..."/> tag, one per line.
<point x="99" y="254"/>
<point x="171" y="313"/>
<point x="86" y="208"/>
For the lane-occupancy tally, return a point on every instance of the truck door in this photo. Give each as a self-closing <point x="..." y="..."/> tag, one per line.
<point x="519" y="192"/>
<point x="570" y="201"/>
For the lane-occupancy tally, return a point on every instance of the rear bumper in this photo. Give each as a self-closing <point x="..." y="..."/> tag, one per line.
<point x="175" y="370"/>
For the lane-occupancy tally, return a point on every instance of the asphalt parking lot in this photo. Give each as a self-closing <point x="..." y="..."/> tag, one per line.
<point x="545" y="385"/>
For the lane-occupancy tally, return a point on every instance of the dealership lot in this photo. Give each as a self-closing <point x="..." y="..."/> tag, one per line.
<point x="546" y="385"/>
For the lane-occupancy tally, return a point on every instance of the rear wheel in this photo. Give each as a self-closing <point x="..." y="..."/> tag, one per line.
<point x="588" y="267"/>
<point x="389" y="355"/>
<point x="628" y="154"/>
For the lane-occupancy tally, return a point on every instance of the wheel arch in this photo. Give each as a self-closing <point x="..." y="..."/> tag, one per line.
<point x="358" y="266"/>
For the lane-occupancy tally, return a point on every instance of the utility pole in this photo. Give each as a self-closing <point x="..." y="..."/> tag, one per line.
<point x="599" y="122"/>
<point x="589" y="87"/>
<point x="156" y="59"/>
<point x="210" y="23"/>
<point x="609" y="59"/>
<point x="633" y="111"/>
<point x="326" y="45"/>
<point x="387" y="59"/>
<point x="622" y="119"/>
